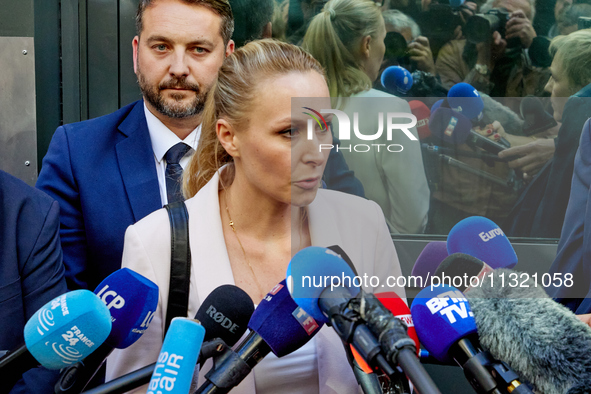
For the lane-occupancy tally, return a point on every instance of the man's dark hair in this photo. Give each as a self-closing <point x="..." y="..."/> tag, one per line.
<point x="219" y="7"/>
<point x="251" y="18"/>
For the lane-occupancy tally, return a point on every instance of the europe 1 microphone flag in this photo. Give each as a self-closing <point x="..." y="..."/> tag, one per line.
<point x="176" y="363"/>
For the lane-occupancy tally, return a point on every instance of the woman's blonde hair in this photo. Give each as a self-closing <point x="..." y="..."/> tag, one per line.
<point x="332" y="37"/>
<point x="230" y="98"/>
<point x="574" y="52"/>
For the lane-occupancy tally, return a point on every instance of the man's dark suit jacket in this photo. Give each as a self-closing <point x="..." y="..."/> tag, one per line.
<point x="102" y="173"/>
<point x="574" y="249"/>
<point x="539" y="211"/>
<point x="31" y="270"/>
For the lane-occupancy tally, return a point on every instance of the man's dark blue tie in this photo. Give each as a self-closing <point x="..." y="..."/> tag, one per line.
<point x="174" y="171"/>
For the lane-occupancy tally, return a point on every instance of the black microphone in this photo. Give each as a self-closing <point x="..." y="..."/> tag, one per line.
<point x="224" y="314"/>
<point x="277" y="325"/>
<point x="540" y="339"/>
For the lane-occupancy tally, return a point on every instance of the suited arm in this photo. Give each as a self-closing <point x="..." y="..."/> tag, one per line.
<point x="57" y="179"/>
<point x="42" y="279"/>
<point x="337" y="174"/>
<point x="145" y="350"/>
<point x="573" y="249"/>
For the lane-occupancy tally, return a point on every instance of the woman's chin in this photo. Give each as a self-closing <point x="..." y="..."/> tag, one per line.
<point x="303" y="198"/>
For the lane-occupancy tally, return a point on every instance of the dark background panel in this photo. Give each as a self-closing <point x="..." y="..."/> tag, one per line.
<point x="128" y="87"/>
<point x="102" y="46"/>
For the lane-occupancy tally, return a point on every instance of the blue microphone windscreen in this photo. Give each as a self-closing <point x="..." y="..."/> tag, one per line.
<point x="463" y="98"/>
<point x="67" y="329"/>
<point x="174" y="368"/>
<point x="132" y="300"/>
<point x="482" y="238"/>
<point x="442" y="316"/>
<point x="282" y="324"/>
<point x="436" y="105"/>
<point x="225" y="313"/>
<point x="313" y="269"/>
<point x="429" y="259"/>
<point x="449" y="126"/>
<point x="397" y="79"/>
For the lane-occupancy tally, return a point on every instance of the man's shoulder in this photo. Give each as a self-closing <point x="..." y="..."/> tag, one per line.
<point x="106" y="122"/>
<point x="14" y="192"/>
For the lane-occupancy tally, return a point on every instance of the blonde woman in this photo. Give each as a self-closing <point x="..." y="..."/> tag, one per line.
<point x="347" y="38"/>
<point x="254" y="200"/>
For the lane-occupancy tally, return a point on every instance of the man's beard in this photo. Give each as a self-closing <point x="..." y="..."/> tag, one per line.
<point x="176" y="109"/>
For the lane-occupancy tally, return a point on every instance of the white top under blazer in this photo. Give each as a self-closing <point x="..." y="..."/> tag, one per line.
<point x="355" y="224"/>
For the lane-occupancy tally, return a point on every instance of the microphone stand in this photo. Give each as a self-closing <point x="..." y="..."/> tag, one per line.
<point x="348" y="320"/>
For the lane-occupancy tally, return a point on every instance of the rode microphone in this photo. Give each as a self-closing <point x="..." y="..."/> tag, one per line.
<point x="277" y="325"/>
<point x="446" y="327"/>
<point x="131" y="300"/>
<point x="539" y="338"/>
<point x="176" y="363"/>
<point x="224" y="314"/>
<point x="422" y="113"/>
<point x="358" y="318"/>
<point x="432" y="255"/>
<point x="535" y="117"/>
<point x="468" y="269"/>
<point x="482" y="238"/>
<point x="61" y="333"/>
<point x="396" y="79"/>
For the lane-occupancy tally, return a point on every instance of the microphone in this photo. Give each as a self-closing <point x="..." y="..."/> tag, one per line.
<point x="176" y="363"/>
<point x="223" y="314"/>
<point x="401" y="311"/>
<point x="422" y="113"/>
<point x="131" y="300"/>
<point x="61" y="333"/>
<point x="356" y="320"/>
<point x="447" y="329"/>
<point x="397" y="79"/>
<point x="539" y="338"/>
<point x="464" y="267"/>
<point x="455" y="128"/>
<point x="277" y="325"/>
<point x="482" y="238"/>
<point x="535" y="117"/>
<point x="465" y="99"/>
<point x="429" y="259"/>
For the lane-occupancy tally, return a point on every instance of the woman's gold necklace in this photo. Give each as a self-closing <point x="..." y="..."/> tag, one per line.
<point x="233" y="226"/>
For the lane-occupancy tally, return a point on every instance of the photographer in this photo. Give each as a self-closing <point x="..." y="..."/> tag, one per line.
<point x="500" y="65"/>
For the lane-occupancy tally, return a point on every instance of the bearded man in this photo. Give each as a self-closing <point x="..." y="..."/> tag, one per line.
<point x="107" y="173"/>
